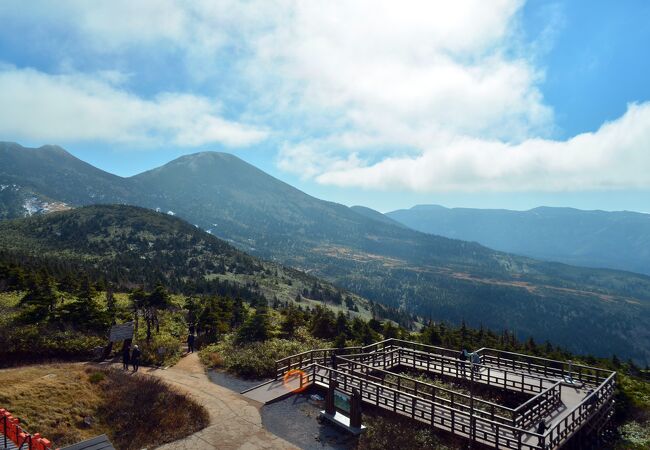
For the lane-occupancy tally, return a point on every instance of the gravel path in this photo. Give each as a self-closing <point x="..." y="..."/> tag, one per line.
<point x="235" y="422"/>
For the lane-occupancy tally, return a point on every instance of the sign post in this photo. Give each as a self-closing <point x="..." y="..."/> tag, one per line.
<point x="121" y="332"/>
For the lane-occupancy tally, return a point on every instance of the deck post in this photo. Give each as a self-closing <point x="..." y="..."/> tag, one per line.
<point x="329" y="398"/>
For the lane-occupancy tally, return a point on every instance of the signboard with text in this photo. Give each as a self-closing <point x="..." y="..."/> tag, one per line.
<point x="121" y="332"/>
<point x="342" y="401"/>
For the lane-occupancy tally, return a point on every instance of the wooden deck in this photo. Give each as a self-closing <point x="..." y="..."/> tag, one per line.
<point x="567" y="397"/>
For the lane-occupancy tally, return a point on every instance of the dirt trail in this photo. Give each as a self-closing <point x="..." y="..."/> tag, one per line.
<point x="235" y="422"/>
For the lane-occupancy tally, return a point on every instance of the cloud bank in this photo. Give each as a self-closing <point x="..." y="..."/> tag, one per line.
<point x="79" y="107"/>
<point x="418" y="95"/>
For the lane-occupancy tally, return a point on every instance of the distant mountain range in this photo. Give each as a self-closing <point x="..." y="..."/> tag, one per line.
<point x="615" y="240"/>
<point x="588" y="310"/>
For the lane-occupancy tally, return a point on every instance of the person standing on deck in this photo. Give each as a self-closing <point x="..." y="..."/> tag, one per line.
<point x="135" y="358"/>
<point x="462" y="356"/>
<point x="476" y="361"/>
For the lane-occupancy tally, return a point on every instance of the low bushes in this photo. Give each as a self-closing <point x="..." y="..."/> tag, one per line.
<point x="145" y="412"/>
<point x="37" y="343"/>
<point x="163" y="349"/>
<point x="256" y="360"/>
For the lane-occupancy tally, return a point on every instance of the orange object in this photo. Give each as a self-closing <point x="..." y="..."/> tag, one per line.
<point x="17" y="435"/>
<point x="291" y="375"/>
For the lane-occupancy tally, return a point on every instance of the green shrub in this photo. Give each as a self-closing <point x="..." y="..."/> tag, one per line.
<point x="163" y="350"/>
<point x="256" y="360"/>
<point x="96" y="377"/>
<point x="33" y="342"/>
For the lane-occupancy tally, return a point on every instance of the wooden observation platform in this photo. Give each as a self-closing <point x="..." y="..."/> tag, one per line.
<point x="575" y="402"/>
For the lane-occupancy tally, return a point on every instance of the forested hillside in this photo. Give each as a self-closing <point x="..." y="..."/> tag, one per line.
<point x="129" y="247"/>
<point x="589" y="310"/>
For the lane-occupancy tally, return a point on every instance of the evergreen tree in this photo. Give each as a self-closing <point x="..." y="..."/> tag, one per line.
<point x="291" y="322"/>
<point x="239" y="314"/>
<point x="111" y="307"/>
<point x="323" y="325"/>
<point x="85" y="312"/>
<point x="389" y="330"/>
<point x="342" y="327"/>
<point x="256" y="328"/>
<point x="430" y="335"/>
<point x="40" y="301"/>
<point x="340" y="341"/>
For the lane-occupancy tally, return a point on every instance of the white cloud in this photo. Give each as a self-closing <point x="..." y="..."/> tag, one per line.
<point x="426" y="95"/>
<point x="614" y="157"/>
<point x="420" y="66"/>
<point x="79" y="107"/>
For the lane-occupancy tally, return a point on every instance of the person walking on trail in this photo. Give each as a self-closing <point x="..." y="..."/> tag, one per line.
<point x="135" y="358"/>
<point x="126" y="349"/>
<point x="190" y="343"/>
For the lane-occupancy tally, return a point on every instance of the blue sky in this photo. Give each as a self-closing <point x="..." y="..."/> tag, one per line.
<point x="503" y="104"/>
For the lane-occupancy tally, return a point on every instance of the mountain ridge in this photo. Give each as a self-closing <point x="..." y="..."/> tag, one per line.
<point x="433" y="276"/>
<point x="591" y="238"/>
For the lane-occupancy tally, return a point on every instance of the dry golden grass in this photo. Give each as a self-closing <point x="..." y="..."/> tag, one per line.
<point x="135" y="411"/>
<point x="52" y="400"/>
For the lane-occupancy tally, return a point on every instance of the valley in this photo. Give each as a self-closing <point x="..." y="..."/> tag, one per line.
<point x="429" y="276"/>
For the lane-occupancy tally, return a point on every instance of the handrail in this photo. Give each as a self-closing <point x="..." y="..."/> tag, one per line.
<point x="524" y="416"/>
<point x="12" y="431"/>
<point x="588" y="400"/>
<point x="542" y="365"/>
<point x="433" y="386"/>
<point x="448" y="358"/>
<point x="516" y="432"/>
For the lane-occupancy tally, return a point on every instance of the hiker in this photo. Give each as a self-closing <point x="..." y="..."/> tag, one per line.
<point x="126" y="348"/>
<point x="190" y="343"/>
<point x="462" y="356"/>
<point x="476" y="361"/>
<point x="135" y="358"/>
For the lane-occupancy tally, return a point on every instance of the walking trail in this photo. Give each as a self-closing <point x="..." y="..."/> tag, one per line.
<point x="235" y="422"/>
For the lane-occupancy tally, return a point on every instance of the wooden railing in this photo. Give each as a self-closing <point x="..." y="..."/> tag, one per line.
<point x="13" y="431"/>
<point x="366" y="369"/>
<point x="501" y="377"/>
<point x="444" y="416"/>
<point x="538" y="407"/>
<point x="591" y="376"/>
<point x="582" y="412"/>
<point x="304" y="359"/>
<point x="436" y="394"/>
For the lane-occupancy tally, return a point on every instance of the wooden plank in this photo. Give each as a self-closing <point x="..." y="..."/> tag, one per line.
<point x="96" y="443"/>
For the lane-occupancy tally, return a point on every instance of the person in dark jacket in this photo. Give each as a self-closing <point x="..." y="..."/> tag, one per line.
<point x="190" y="343"/>
<point x="135" y="358"/>
<point x="462" y="356"/>
<point x="126" y="350"/>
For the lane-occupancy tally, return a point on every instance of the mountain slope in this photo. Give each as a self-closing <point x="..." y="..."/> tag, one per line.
<point x="52" y="173"/>
<point x="588" y="310"/>
<point x="132" y="246"/>
<point x="617" y="240"/>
